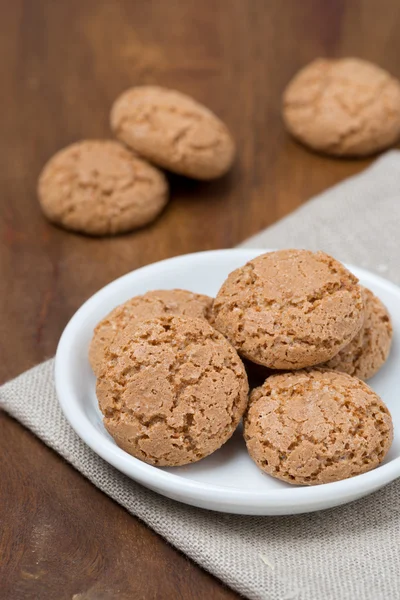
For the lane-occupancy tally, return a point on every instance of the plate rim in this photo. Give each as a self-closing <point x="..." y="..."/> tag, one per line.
<point x="302" y="497"/>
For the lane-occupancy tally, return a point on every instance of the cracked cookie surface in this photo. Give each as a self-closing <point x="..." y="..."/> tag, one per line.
<point x="288" y="309"/>
<point x="312" y="427"/>
<point x="98" y="187"/>
<point x="171" y="390"/>
<point x="173" y="131"/>
<point x="369" y="350"/>
<point x="343" y="107"/>
<point x="152" y="304"/>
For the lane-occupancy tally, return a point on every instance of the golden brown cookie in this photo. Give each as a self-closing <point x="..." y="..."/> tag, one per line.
<point x="172" y="390"/>
<point x="98" y="187"/>
<point x="343" y="107"/>
<point x="368" y="351"/>
<point x="312" y="427"/>
<point x="173" y="131"/>
<point x="288" y="309"/>
<point x="152" y="304"/>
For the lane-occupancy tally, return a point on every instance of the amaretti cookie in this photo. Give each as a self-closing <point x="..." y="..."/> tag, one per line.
<point x="173" y="131"/>
<point x="152" y="304"/>
<point x="98" y="187"/>
<point x="343" y="107"/>
<point x="313" y="427"/>
<point x="288" y="309"/>
<point x="368" y="351"/>
<point x="172" y="390"/>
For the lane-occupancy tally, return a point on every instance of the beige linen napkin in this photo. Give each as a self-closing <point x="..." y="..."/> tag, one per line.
<point x="347" y="553"/>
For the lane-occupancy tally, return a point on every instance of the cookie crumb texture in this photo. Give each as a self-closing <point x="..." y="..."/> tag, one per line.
<point x="172" y="391"/>
<point x="98" y="187"/>
<point x="152" y="304"/>
<point x="316" y="427"/>
<point x="369" y="350"/>
<point x="173" y="131"/>
<point x="343" y="107"/>
<point x="288" y="309"/>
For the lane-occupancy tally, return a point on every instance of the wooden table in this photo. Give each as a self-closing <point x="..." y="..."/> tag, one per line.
<point x="63" y="64"/>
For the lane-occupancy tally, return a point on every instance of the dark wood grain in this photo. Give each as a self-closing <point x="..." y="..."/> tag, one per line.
<point x="63" y="64"/>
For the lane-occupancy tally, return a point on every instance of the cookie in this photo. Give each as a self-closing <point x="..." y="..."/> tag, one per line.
<point x="345" y="107"/>
<point x="173" y="131"/>
<point x="172" y="390"/>
<point x="368" y="351"/>
<point x="98" y="187"/>
<point x="288" y="309"/>
<point x="152" y="304"/>
<point x="316" y="427"/>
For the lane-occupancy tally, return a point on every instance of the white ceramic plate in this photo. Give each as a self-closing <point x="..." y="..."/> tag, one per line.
<point x="227" y="481"/>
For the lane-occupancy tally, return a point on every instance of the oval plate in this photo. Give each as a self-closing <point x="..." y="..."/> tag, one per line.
<point x="227" y="481"/>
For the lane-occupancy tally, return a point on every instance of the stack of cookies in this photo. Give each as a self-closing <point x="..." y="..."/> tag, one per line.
<point x="105" y="187"/>
<point x="172" y="370"/>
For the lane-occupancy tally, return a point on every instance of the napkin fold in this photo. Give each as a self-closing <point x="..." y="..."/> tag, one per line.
<point x="347" y="553"/>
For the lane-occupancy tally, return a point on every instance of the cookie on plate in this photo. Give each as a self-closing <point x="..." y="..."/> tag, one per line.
<point x="172" y="390"/>
<point x="343" y="107"/>
<point x="313" y="427"/>
<point x="288" y="309"/>
<point x="368" y="351"/>
<point x="173" y="131"/>
<point x="98" y="187"/>
<point x="152" y="304"/>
